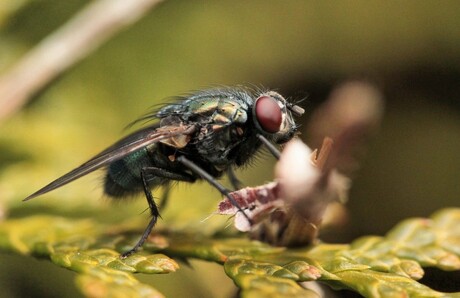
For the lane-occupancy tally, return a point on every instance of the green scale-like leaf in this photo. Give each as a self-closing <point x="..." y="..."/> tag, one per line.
<point x="373" y="266"/>
<point x="72" y="244"/>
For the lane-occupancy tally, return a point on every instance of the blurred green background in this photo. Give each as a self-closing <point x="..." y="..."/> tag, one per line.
<point x="411" y="50"/>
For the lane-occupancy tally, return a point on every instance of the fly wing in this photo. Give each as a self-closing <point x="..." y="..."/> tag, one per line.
<point x="120" y="149"/>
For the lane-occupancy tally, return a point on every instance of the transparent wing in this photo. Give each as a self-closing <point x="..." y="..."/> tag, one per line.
<point x="120" y="149"/>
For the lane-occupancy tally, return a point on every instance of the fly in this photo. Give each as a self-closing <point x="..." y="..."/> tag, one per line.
<point x="201" y="136"/>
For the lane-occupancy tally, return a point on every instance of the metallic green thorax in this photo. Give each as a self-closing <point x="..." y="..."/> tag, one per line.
<point x="222" y="110"/>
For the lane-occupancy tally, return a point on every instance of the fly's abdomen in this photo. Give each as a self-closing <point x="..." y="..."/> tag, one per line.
<point x="123" y="176"/>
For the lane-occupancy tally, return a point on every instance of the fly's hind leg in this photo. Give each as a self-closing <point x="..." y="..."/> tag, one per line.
<point x="167" y="174"/>
<point x="154" y="212"/>
<point x="162" y="173"/>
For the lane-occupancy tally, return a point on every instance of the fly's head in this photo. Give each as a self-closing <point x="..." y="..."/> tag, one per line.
<point x="272" y="116"/>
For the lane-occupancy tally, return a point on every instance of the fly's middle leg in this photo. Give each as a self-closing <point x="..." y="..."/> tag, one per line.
<point x="206" y="176"/>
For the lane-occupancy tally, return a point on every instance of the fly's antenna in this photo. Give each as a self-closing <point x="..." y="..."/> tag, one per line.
<point x="295" y="109"/>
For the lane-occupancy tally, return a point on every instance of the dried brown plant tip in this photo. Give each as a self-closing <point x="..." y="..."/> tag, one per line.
<point x="288" y="212"/>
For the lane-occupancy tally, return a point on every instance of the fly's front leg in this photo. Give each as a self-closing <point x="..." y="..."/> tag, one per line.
<point x="234" y="181"/>
<point x="152" y="205"/>
<point x="205" y="175"/>
<point x="273" y="150"/>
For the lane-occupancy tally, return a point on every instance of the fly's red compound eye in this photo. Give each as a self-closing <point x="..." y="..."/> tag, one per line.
<point x="268" y="114"/>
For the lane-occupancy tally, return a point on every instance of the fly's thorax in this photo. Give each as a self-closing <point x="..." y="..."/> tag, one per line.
<point x="229" y="103"/>
<point x="221" y="120"/>
<point x="224" y="109"/>
<point x="272" y="117"/>
<point x="228" y="112"/>
<point x="227" y="122"/>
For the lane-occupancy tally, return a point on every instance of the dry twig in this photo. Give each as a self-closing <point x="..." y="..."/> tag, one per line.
<point x="85" y="32"/>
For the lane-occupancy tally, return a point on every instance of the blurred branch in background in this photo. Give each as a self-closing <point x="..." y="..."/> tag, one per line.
<point x="351" y="116"/>
<point x="89" y="29"/>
